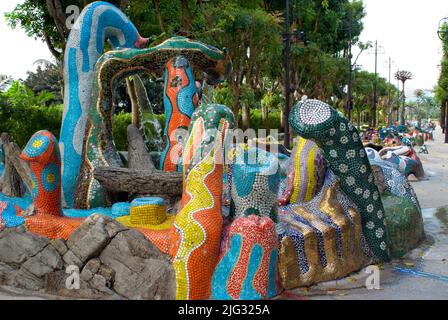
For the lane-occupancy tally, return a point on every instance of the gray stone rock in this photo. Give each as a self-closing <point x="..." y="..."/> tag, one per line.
<point x="24" y="280"/>
<point x="59" y="245"/>
<point x="92" y="236"/>
<point x="4" y="271"/>
<point x="90" y="269"/>
<point x="17" y="245"/>
<point x="70" y="259"/>
<point x="141" y="270"/>
<point x="56" y="285"/>
<point x="44" y="262"/>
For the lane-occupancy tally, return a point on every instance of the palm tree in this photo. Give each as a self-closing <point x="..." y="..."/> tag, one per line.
<point x="403" y="76"/>
<point x="5" y="82"/>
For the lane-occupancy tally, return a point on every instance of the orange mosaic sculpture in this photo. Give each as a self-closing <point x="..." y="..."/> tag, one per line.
<point x="42" y="154"/>
<point x="180" y="100"/>
<point x="196" y="233"/>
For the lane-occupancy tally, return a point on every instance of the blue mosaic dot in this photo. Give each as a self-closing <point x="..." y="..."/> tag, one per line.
<point x="50" y="177"/>
<point x="37" y="145"/>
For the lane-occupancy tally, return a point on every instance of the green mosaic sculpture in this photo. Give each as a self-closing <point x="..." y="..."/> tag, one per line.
<point x="336" y="136"/>
<point x="404" y="224"/>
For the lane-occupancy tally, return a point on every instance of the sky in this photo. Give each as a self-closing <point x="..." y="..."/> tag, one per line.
<point x="406" y="30"/>
<point x="18" y="52"/>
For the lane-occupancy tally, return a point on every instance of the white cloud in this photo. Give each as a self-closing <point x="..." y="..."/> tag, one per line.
<point x="407" y="29"/>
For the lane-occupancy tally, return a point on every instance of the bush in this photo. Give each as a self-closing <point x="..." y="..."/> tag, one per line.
<point x="21" y="118"/>
<point x="22" y="123"/>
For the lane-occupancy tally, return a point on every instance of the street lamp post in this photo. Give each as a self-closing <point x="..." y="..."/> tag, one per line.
<point x="389" y="99"/>
<point x="298" y="36"/>
<point x="286" y="138"/>
<point x="443" y="35"/>
<point x="350" y="79"/>
<point x="377" y="50"/>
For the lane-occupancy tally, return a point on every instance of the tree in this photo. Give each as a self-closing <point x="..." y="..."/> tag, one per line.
<point x="403" y="76"/>
<point x="47" y="78"/>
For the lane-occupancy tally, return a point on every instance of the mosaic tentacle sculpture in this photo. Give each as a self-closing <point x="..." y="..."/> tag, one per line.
<point x="98" y="22"/>
<point x="99" y="148"/>
<point x="321" y="239"/>
<point x="180" y="99"/>
<point x="395" y="182"/>
<point x="196" y="233"/>
<point x="42" y="154"/>
<point x="248" y="267"/>
<point x="336" y="136"/>
<point x="306" y="172"/>
<point x="255" y="183"/>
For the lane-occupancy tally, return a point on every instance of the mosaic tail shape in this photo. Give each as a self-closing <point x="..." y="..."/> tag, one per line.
<point x="42" y="154"/>
<point x="196" y="233"/>
<point x="306" y="172"/>
<point x="336" y="136"/>
<point x="180" y="99"/>
<point x="99" y="21"/>
<point x="248" y="268"/>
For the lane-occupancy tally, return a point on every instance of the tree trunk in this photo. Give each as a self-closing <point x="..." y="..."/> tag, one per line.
<point x="246" y="116"/>
<point x="442" y="117"/>
<point x="16" y="170"/>
<point x="265" y="116"/>
<point x="134" y="103"/>
<point x="138" y="155"/>
<point x="159" y="15"/>
<point x="139" y="182"/>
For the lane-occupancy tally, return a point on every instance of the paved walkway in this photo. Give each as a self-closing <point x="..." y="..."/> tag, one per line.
<point x="433" y="192"/>
<point x="423" y="274"/>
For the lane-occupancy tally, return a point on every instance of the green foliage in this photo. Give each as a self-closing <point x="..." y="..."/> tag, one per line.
<point x="47" y="78"/>
<point x="120" y="123"/>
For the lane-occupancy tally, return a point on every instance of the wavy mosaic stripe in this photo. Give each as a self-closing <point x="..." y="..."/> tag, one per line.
<point x="248" y="267"/>
<point x="321" y="239"/>
<point x="180" y="99"/>
<point x="306" y="172"/>
<point x="98" y="22"/>
<point x="196" y="233"/>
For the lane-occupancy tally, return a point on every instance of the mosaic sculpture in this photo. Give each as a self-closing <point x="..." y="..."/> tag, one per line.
<point x="113" y="67"/>
<point x="255" y="183"/>
<point x="98" y="22"/>
<point x="395" y="182"/>
<point x="405" y="158"/>
<point x="322" y="239"/>
<point x="248" y="267"/>
<point x="42" y="154"/>
<point x="336" y="136"/>
<point x="10" y="215"/>
<point x="180" y="99"/>
<point x="404" y="224"/>
<point x="306" y="172"/>
<point x="196" y="234"/>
